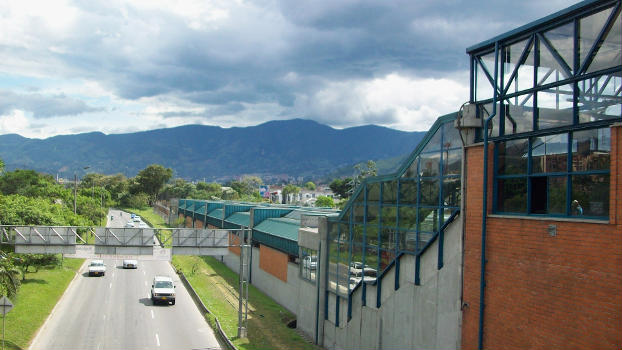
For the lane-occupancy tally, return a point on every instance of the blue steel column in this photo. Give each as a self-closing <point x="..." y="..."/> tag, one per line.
<point x="482" y="283"/>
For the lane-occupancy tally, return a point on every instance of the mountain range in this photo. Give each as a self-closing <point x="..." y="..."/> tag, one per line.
<point x="297" y="147"/>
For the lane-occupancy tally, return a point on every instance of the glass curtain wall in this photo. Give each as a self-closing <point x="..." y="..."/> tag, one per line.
<point x="559" y="90"/>
<point x="396" y="214"/>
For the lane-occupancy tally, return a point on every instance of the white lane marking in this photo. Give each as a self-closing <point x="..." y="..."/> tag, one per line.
<point x="104" y="317"/>
<point x="144" y="273"/>
<point x="157" y="339"/>
<point x="110" y="285"/>
<point x="148" y="295"/>
<point x="145" y="283"/>
<point x="152" y="315"/>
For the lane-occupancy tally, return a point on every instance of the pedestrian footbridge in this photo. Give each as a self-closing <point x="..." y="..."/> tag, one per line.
<point x="117" y="241"/>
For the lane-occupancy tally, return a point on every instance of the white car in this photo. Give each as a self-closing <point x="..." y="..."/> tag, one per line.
<point x="130" y="264"/>
<point x="163" y="289"/>
<point x="97" y="268"/>
<point x="136" y="218"/>
<point x="130" y="225"/>
<point x="310" y="262"/>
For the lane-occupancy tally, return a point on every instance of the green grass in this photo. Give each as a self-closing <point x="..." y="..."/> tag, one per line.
<point x="35" y="300"/>
<point x="217" y="286"/>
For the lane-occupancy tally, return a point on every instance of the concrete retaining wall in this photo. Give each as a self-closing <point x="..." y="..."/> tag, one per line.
<point x="425" y="316"/>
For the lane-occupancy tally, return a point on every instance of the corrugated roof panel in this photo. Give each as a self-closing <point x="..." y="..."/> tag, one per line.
<point x="281" y="227"/>
<point x="216" y="213"/>
<point x="240" y="218"/>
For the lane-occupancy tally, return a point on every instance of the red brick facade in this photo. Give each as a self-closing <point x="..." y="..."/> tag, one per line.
<point x="543" y="291"/>
<point x="273" y="262"/>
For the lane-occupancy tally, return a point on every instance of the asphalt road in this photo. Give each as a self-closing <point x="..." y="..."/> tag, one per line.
<point x="116" y="312"/>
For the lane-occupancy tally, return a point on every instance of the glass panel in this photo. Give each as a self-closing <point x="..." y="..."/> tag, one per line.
<point x="512" y="195"/>
<point x="524" y="78"/>
<point x="408" y="240"/>
<point x="512" y="157"/>
<point x="600" y="98"/>
<point x="452" y="162"/>
<point x="359" y="213"/>
<point x="408" y="192"/>
<point x="388" y="237"/>
<point x="562" y="40"/>
<point x="430" y="164"/>
<point x="332" y="265"/>
<point x="590" y="195"/>
<point x="485" y="112"/>
<point x="555" y="107"/>
<point x="389" y="216"/>
<point x="484" y="89"/>
<point x="342" y="269"/>
<point x="373" y="192"/>
<point x="451" y="136"/>
<point x="408" y="217"/>
<point x="371" y="235"/>
<point x="451" y="192"/>
<point x="557" y="195"/>
<point x="429" y="192"/>
<point x="412" y="172"/>
<point x="389" y="192"/>
<point x="591" y="149"/>
<point x="386" y="258"/>
<point x="434" y="144"/>
<point x="355" y="270"/>
<point x="549" y="154"/>
<point x="333" y="230"/>
<point x="589" y="28"/>
<point x="370" y="266"/>
<point x="372" y="213"/>
<point x="360" y="197"/>
<point x="428" y="219"/>
<point x="609" y="53"/>
<point x="358" y="234"/>
<point x="518" y="114"/>
<point x="344" y="233"/>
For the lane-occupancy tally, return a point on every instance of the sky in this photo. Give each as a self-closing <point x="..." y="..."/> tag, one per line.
<point x="113" y="66"/>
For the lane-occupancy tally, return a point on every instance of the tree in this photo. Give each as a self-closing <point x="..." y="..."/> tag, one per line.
<point x="9" y="277"/>
<point x="1" y="166"/>
<point x="152" y="179"/>
<point x="361" y="172"/>
<point x="340" y="187"/>
<point x="324" y="201"/>
<point x="289" y="189"/>
<point x="310" y="186"/>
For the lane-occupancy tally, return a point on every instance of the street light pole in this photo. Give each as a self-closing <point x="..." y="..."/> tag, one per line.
<point x="75" y="192"/>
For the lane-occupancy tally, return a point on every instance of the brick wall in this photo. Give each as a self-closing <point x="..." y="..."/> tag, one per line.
<point x="273" y="262"/>
<point x="234" y="239"/>
<point x="198" y="223"/>
<point x="542" y="291"/>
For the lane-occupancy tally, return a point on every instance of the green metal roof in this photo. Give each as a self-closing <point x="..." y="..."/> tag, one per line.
<point x="280" y="227"/>
<point x="240" y="218"/>
<point x="216" y="213"/>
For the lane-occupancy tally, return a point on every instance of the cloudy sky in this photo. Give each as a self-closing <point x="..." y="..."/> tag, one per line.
<point x="113" y="66"/>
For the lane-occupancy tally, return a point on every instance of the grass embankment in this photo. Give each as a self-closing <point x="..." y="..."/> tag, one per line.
<point x="155" y="220"/>
<point x="217" y="286"/>
<point x="35" y="300"/>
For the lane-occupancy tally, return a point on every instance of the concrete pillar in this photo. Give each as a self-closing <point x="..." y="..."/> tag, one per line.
<point x="322" y="278"/>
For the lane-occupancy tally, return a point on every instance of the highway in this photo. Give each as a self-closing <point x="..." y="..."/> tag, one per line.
<point x="115" y="311"/>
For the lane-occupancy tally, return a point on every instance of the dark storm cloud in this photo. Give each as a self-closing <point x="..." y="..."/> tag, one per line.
<point x="272" y="52"/>
<point x="43" y="106"/>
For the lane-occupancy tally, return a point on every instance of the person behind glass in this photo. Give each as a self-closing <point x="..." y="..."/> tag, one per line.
<point x="576" y="208"/>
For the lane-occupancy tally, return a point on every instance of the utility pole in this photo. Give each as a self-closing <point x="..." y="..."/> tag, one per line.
<point x="75" y="192"/>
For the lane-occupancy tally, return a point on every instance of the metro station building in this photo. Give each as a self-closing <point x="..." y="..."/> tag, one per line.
<point x="503" y="229"/>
